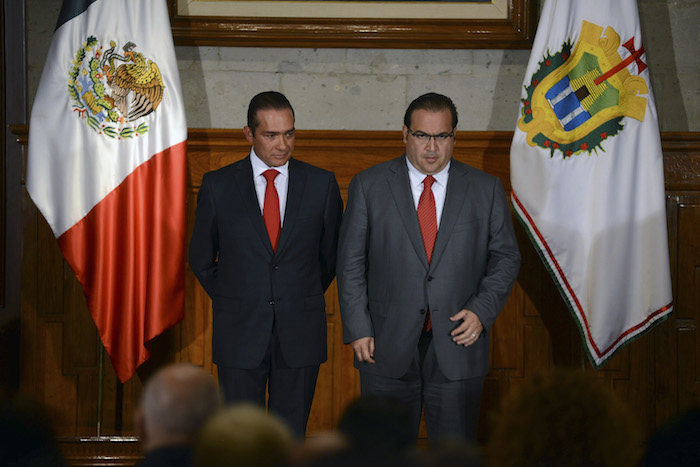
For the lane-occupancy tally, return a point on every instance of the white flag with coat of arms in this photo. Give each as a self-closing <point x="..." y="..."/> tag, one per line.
<point x="587" y="171"/>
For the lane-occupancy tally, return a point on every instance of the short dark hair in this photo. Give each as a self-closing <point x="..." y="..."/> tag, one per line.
<point x="432" y="102"/>
<point x="268" y="100"/>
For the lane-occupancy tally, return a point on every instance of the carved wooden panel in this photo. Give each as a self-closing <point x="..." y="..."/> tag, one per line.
<point x="656" y="375"/>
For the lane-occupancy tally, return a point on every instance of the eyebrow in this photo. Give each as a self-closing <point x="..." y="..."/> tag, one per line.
<point x="421" y="132"/>
<point x="273" y="133"/>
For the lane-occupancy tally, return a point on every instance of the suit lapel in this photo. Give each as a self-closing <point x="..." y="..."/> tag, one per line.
<point x="457" y="185"/>
<point x="295" y="191"/>
<point x="401" y="191"/>
<point x="249" y="199"/>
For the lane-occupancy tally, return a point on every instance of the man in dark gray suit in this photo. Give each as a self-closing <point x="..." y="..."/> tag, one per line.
<point x="264" y="249"/>
<point x="423" y="273"/>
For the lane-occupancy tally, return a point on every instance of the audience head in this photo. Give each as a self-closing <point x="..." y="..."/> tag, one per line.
<point x="26" y="438"/>
<point x="452" y="453"/>
<point x="676" y="443"/>
<point x="373" y="431"/>
<point x="175" y="404"/>
<point x="319" y="450"/>
<point x="376" y="423"/>
<point x="243" y="435"/>
<point x="565" y="419"/>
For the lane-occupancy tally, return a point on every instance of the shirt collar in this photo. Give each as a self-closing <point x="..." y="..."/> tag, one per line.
<point x="259" y="166"/>
<point x="416" y="176"/>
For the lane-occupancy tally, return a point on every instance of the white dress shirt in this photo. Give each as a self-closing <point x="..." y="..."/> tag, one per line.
<point x="281" y="182"/>
<point x="416" y="177"/>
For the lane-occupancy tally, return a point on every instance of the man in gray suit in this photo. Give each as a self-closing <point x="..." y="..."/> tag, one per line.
<point x="423" y="273"/>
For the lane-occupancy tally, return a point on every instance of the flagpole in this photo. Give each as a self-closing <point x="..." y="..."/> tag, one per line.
<point x="100" y="387"/>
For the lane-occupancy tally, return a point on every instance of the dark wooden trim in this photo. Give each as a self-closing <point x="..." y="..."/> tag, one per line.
<point x="3" y="167"/>
<point x="681" y="160"/>
<point x="101" y="451"/>
<point x="13" y="109"/>
<point x="515" y="32"/>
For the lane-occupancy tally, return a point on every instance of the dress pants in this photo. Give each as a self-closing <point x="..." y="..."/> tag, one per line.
<point x="290" y="390"/>
<point x="451" y="407"/>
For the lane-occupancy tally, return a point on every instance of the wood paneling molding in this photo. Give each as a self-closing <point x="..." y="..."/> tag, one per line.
<point x="347" y="151"/>
<point x="101" y="451"/>
<point x="681" y="160"/>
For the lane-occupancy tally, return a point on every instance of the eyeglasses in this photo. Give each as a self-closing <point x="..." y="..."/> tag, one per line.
<point x="424" y="137"/>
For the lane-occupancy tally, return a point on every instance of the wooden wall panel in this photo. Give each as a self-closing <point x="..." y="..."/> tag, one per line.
<point x="656" y="375"/>
<point x="688" y="300"/>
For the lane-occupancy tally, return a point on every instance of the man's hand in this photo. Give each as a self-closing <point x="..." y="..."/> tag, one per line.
<point x="469" y="331"/>
<point x="364" y="349"/>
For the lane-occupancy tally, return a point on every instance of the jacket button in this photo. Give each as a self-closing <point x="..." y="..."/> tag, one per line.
<point x="430" y="278"/>
<point x="422" y="311"/>
<point x="271" y="303"/>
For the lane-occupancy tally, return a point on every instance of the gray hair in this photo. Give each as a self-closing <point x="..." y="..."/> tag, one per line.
<point x="179" y="399"/>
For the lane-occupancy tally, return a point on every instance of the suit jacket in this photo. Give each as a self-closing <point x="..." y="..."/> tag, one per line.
<point x="251" y="286"/>
<point x="386" y="284"/>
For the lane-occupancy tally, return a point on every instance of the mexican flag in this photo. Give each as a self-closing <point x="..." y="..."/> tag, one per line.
<point x="587" y="171"/>
<point x="107" y="167"/>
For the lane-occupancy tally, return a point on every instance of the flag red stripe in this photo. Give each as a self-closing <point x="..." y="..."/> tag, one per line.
<point x="636" y="328"/>
<point x="128" y="254"/>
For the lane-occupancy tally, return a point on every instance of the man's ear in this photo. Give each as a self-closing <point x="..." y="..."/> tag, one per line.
<point x="404" y="130"/>
<point x="248" y="132"/>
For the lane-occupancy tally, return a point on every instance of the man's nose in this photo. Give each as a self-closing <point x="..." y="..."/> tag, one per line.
<point x="282" y="142"/>
<point x="432" y="143"/>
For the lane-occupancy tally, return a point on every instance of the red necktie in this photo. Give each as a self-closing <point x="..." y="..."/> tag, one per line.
<point x="427" y="219"/>
<point x="271" y="208"/>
